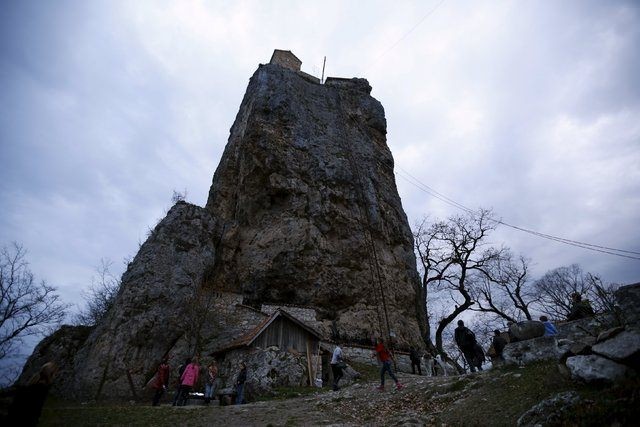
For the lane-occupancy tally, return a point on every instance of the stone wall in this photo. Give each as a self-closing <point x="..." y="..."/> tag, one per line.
<point x="266" y="369"/>
<point x="360" y="85"/>
<point x="362" y="354"/>
<point x="309" y="77"/>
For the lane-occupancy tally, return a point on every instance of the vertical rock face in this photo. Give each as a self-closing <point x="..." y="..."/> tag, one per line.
<point x="303" y="209"/>
<point x="308" y="208"/>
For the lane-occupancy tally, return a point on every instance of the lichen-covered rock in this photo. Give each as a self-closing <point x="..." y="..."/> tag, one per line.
<point x="596" y="369"/>
<point x="524" y="352"/>
<point x="550" y="411"/>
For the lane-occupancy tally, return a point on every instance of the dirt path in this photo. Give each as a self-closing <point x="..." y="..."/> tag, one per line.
<point x="496" y="398"/>
<point x="357" y="404"/>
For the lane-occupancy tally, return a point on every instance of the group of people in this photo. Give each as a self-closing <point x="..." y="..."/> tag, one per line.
<point x="188" y="376"/>
<point x="580" y="309"/>
<point x="467" y="343"/>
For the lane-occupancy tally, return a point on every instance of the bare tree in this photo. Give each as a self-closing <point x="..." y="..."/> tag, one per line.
<point x="27" y="307"/>
<point x="453" y="253"/>
<point x="556" y="287"/>
<point x="504" y="288"/>
<point x="101" y="295"/>
<point x="200" y="312"/>
<point x="178" y="196"/>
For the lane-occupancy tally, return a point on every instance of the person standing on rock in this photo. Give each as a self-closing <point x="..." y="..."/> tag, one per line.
<point x="580" y="308"/>
<point x="242" y="378"/>
<point x="415" y="360"/>
<point x="161" y="381"/>
<point x="466" y="341"/>
<point x="549" y="328"/>
<point x="210" y="384"/>
<point x="188" y="380"/>
<point x="385" y="359"/>
<point x="336" y="366"/>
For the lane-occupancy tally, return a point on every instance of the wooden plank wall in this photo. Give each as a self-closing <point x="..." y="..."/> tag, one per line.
<point x="286" y="335"/>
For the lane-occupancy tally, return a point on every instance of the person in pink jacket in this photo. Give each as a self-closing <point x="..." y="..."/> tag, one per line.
<point x="188" y="380"/>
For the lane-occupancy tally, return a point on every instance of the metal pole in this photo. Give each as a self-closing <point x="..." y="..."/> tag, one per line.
<point x="323" y="64"/>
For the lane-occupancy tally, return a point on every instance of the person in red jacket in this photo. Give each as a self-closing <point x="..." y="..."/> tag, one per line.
<point x="161" y="381"/>
<point x="188" y="380"/>
<point x="385" y="358"/>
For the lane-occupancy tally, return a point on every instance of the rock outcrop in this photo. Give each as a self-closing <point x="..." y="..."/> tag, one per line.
<point x="526" y="330"/>
<point x="308" y="210"/>
<point x="550" y="411"/>
<point x="303" y="209"/>
<point x="532" y="350"/>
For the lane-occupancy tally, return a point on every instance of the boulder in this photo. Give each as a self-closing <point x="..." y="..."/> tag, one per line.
<point x="550" y="411"/>
<point x="596" y="369"/>
<point x="580" y="348"/>
<point x="609" y="333"/>
<point x="579" y="330"/>
<point x="533" y="350"/>
<point x="623" y="347"/>
<point x="628" y="301"/>
<point x="526" y="330"/>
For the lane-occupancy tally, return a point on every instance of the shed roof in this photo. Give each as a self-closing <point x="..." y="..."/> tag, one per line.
<point x="249" y="337"/>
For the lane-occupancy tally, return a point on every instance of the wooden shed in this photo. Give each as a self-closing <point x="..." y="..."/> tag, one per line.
<point x="284" y="331"/>
<point x="281" y="330"/>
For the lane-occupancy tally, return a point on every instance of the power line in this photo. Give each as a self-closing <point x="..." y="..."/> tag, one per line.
<point x="432" y="192"/>
<point x="389" y="49"/>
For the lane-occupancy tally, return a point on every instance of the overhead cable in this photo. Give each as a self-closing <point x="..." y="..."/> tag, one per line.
<point x="402" y="173"/>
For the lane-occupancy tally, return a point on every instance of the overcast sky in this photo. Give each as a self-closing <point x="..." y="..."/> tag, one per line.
<point x="531" y="108"/>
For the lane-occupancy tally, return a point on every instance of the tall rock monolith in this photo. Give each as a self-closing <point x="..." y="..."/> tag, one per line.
<point x="303" y="210"/>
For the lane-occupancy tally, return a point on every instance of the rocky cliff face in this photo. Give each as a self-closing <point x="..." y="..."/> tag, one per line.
<point x="308" y="207"/>
<point x="303" y="209"/>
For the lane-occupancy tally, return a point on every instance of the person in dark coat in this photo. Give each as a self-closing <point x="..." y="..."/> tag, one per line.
<point x="415" y="360"/>
<point x="498" y="344"/>
<point x="580" y="308"/>
<point x="242" y="378"/>
<point x="176" y="396"/>
<point x="28" y="400"/>
<point x="161" y="380"/>
<point x="466" y="341"/>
